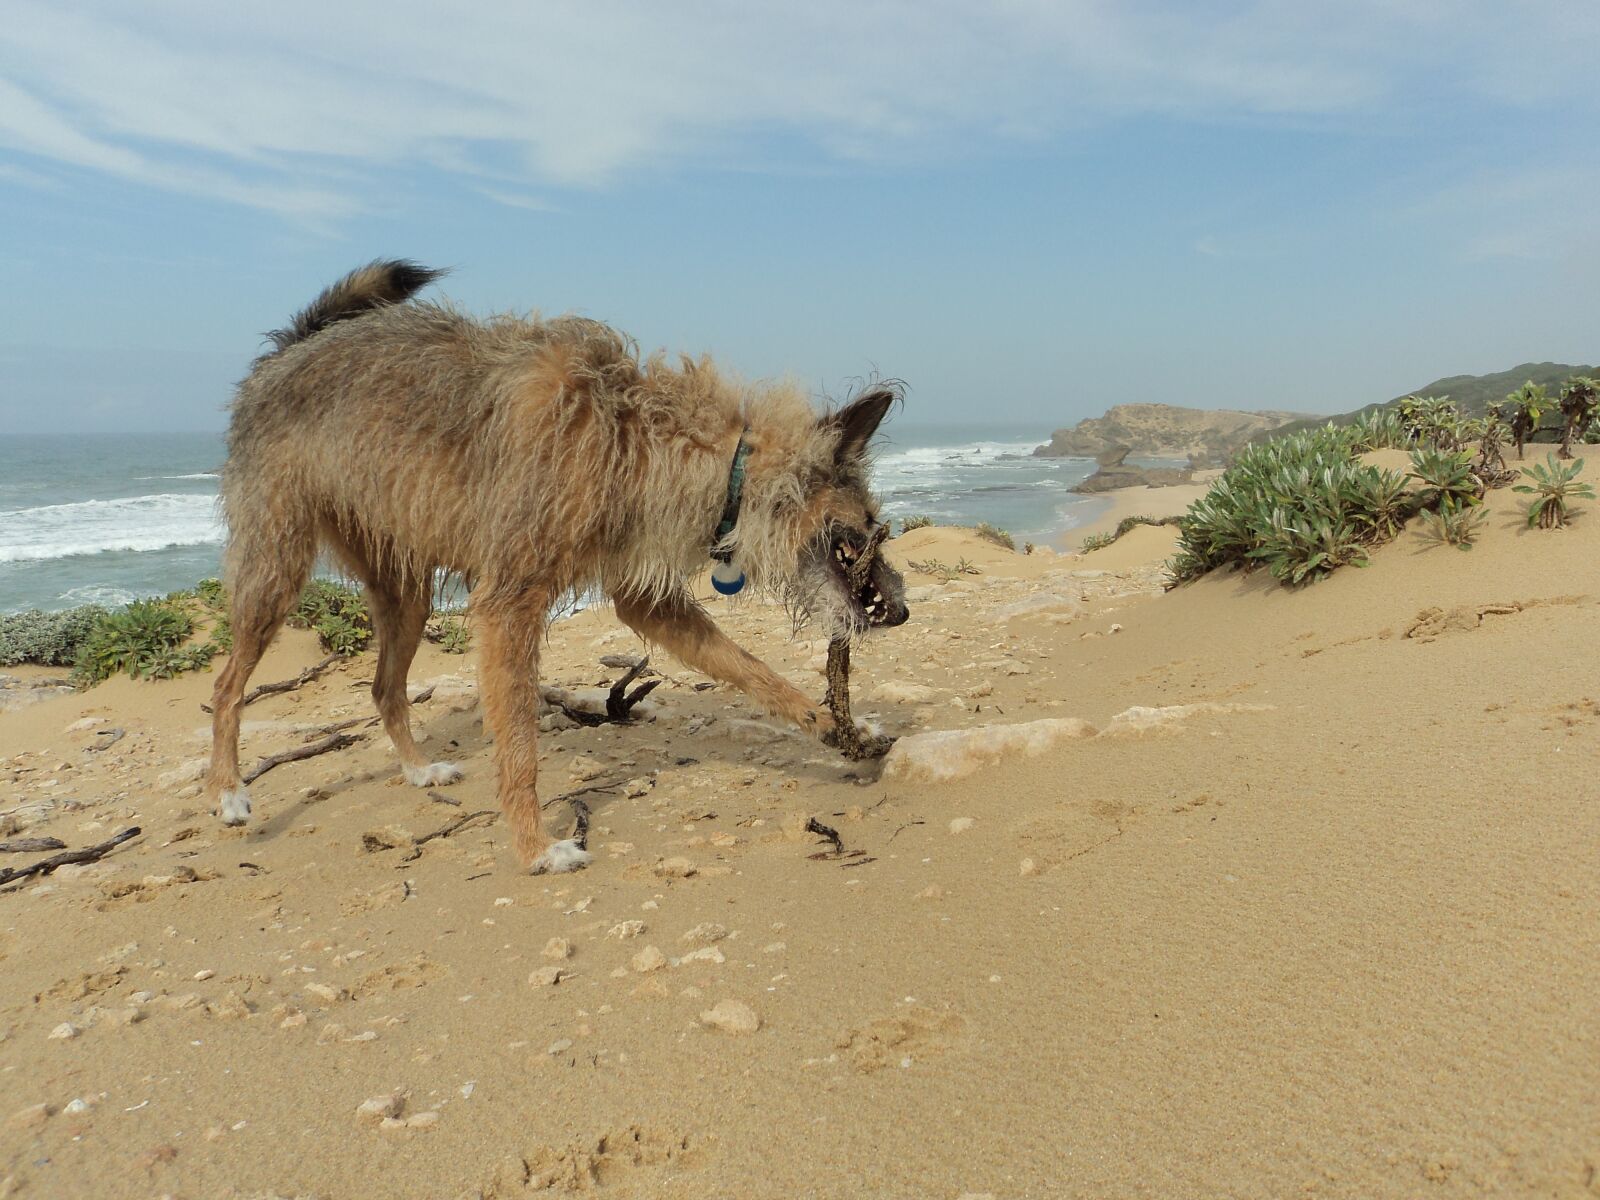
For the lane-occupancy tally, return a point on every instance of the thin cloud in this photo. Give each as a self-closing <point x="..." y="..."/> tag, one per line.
<point x="303" y="111"/>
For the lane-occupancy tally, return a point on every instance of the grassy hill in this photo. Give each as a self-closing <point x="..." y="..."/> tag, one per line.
<point x="1472" y="393"/>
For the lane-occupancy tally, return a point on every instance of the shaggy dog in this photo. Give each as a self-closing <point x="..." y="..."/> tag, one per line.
<point x="539" y="459"/>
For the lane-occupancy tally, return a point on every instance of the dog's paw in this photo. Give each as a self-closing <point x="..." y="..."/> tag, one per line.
<point x="861" y="741"/>
<point x="561" y="856"/>
<point x="235" y="806"/>
<point x="433" y="775"/>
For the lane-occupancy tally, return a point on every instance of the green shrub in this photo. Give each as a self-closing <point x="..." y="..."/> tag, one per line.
<point x="338" y="615"/>
<point x="1449" y="474"/>
<point x="453" y="635"/>
<point x="1300" y="505"/>
<point x="907" y="524"/>
<point x="50" y="639"/>
<point x="142" y="639"/>
<point x="1454" y="524"/>
<point x="1305" y="546"/>
<point x="1096" y="541"/>
<point x="990" y="533"/>
<point x="1379" y="429"/>
<point x="1554" y="486"/>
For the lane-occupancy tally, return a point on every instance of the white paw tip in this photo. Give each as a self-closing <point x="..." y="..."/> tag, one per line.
<point x="235" y="806"/>
<point x="433" y="775"/>
<point x="559" y="857"/>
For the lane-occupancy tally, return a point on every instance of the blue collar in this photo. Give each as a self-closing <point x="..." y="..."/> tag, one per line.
<point x="730" y="507"/>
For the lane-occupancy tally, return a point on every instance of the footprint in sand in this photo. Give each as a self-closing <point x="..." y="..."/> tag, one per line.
<point x="585" y="1165"/>
<point x="914" y="1032"/>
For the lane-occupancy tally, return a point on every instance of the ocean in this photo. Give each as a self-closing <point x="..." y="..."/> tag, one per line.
<point x="108" y="518"/>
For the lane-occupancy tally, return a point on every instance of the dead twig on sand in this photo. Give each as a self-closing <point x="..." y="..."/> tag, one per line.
<point x="441" y="798"/>
<point x="604" y="786"/>
<point x="67" y="857"/>
<point x="31" y="845"/>
<point x="112" y="736"/>
<point x="832" y="835"/>
<point x="825" y="831"/>
<point x="334" y="741"/>
<point x="455" y="826"/>
<point x="286" y="685"/>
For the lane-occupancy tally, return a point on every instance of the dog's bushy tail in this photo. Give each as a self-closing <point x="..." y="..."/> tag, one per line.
<point x="378" y="283"/>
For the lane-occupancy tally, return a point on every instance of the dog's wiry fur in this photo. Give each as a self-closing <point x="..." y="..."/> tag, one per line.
<point x="538" y="458"/>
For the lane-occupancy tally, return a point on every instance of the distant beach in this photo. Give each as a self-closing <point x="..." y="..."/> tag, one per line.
<point x="107" y="518"/>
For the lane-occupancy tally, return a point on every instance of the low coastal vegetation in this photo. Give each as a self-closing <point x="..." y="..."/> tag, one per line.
<point x="162" y="637"/>
<point x="1305" y="504"/>
<point x="992" y="533"/>
<point x="1099" y="541"/>
<point x="1554" y="486"/>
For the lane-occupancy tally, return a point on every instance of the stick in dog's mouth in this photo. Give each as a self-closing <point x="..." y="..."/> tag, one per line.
<point x="856" y="565"/>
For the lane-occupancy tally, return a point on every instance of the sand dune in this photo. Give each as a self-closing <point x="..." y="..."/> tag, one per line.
<point x="1332" y="932"/>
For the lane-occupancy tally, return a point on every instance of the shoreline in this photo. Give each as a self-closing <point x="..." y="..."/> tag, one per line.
<point x="1121" y="503"/>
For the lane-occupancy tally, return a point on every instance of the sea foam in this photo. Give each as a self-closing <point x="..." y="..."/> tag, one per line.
<point x="152" y="522"/>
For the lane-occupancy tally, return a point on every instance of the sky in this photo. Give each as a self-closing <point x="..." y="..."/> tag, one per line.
<point x="1028" y="210"/>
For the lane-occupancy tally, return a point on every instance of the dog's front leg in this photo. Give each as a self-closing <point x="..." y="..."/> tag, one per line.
<point x="510" y="677"/>
<point x="687" y="632"/>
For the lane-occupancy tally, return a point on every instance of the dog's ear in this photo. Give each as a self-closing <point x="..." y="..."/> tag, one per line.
<point x="857" y="421"/>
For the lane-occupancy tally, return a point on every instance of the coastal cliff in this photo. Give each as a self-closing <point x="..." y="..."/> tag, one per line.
<point x="1163" y="431"/>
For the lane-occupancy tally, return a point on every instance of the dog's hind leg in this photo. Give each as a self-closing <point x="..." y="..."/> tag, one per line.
<point x="265" y="588"/>
<point x="400" y="602"/>
<point x="509" y="673"/>
<point x="686" y="631"/>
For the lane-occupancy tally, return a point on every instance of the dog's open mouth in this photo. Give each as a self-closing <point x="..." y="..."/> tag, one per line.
<point x="863" y="582"/>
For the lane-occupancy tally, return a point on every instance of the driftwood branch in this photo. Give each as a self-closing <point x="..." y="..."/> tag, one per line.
<point x="334" y="741"/>
<point x="287" y="685"/>
<point x="845" y="736"/>
<point x="87" y="854"/>
<point x="619" y="701"/>
<point x="31" y="845"/>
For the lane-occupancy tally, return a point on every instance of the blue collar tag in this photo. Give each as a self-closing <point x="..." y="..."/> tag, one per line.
<point x="725" y="577"/>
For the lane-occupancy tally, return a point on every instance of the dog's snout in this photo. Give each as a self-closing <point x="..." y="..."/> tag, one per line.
<point x="899" y="614"/>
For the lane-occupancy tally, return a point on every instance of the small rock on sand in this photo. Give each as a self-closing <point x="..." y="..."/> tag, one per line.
<point x="961" y="824"/>
<point x="675" y="868"/>
<point x="380" y="1108"/>
<point x="649" y="959"/>
<point x="899" y="691"/>
<point x="705" y="933"/>
<point x="547" y="976"/>
<point x="731" y="1016"/>
<point x="557" y="947"/>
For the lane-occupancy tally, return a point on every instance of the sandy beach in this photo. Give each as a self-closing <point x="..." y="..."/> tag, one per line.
<point x="1277" y="893"/>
